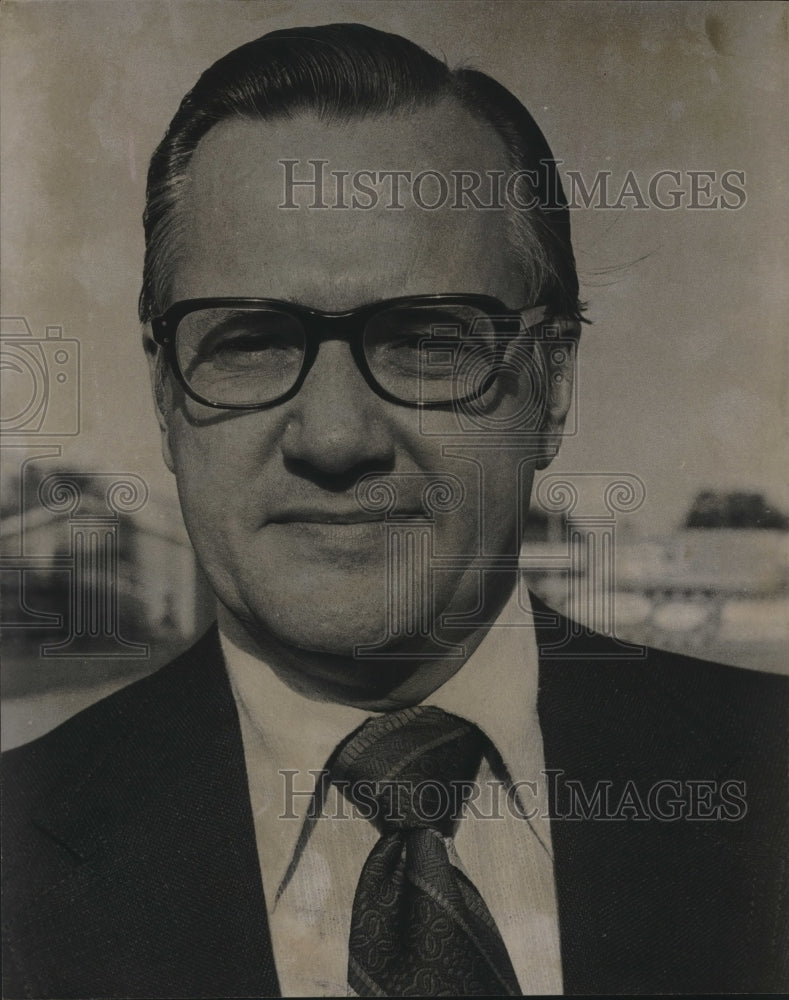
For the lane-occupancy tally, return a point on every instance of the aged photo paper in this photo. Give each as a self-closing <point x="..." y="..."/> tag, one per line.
<point x="662" y="522"/>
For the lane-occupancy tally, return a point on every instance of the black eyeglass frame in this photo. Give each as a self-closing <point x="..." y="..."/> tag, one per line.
<point x="319" y="326"/>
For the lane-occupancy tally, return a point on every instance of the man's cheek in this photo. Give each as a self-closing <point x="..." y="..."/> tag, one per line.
<point x="458" y="533"/>
<point x="203" y="453"/>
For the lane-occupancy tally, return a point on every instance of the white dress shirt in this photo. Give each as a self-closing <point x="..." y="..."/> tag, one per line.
<point x="508" y="858"/>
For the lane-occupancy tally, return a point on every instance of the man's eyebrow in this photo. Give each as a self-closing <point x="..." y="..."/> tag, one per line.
<point x="232" y="314"/>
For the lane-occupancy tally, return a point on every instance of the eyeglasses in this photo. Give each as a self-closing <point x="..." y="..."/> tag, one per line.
<point x="251" y="353"/>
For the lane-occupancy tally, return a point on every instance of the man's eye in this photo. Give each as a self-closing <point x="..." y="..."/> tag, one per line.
<point x="239" y="351"/>
<point x="251" y="343"/>
<point x="405" y="331"/>
<point x="407" y="339"/>
<point x="248" y="343"/>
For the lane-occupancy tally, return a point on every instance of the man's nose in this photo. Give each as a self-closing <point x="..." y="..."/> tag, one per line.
<point x="336" y="421"/>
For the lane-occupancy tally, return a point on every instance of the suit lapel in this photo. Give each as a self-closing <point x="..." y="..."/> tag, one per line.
<point x="601" y="937"/>
<point x="645" y="905"/>
<point x="164" y="835"/>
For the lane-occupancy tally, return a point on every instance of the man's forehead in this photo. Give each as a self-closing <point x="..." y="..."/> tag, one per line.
<point x="257" y="202"/>
<point x="444" y="137"/>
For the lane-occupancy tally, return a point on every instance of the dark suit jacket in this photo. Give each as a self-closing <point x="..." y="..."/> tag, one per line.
<point x="132" y="869"/>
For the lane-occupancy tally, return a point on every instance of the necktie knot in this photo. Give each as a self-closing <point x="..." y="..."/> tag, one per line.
<point x="410" y="769"/>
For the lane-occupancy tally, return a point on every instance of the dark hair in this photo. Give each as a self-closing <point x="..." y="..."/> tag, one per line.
<point x="346" y="71"/>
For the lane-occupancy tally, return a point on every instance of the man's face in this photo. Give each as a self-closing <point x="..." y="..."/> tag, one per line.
<point x="268" y="495"/>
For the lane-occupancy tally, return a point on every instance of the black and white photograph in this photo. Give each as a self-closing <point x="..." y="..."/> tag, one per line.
<point x="395" y="521"/>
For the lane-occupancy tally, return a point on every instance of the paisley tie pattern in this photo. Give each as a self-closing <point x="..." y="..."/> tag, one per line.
<point x="419" y="927"/>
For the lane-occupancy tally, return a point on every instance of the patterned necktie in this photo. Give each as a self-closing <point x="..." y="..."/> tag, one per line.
<point x="418" y="927"/>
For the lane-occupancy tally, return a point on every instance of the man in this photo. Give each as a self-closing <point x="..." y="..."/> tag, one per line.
<point x="355" y="388"/>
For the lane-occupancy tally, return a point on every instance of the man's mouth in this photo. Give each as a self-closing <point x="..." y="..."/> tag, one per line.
<point x="343" y="516"/>
<point x="325" y="517"/>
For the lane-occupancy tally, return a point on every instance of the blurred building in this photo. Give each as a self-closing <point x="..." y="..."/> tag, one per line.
<point x="718" y="588"/>
<point x="95" y="588"/>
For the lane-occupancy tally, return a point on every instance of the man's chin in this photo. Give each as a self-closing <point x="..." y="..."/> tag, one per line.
<point x="344" y="608"/>
<point x="354" y="626"/>
<point x="327" y="615"/>
<point x="348" y="635"/>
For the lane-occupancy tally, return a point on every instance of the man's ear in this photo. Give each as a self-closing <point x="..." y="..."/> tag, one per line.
<point x="162" y="399"/>
<point x="560" y="352"/>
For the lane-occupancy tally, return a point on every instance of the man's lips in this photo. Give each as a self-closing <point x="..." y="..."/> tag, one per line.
<point x="341" y="534"/>
<point x="313" y="515"/>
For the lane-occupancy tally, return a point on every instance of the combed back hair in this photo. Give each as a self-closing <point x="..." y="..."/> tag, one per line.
<point x="341" y="72"/>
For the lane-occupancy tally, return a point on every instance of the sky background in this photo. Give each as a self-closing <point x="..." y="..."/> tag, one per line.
<point x="683" y="377"/>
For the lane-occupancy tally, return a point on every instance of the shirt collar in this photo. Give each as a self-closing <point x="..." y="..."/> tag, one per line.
<point x="496" y="689"/>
